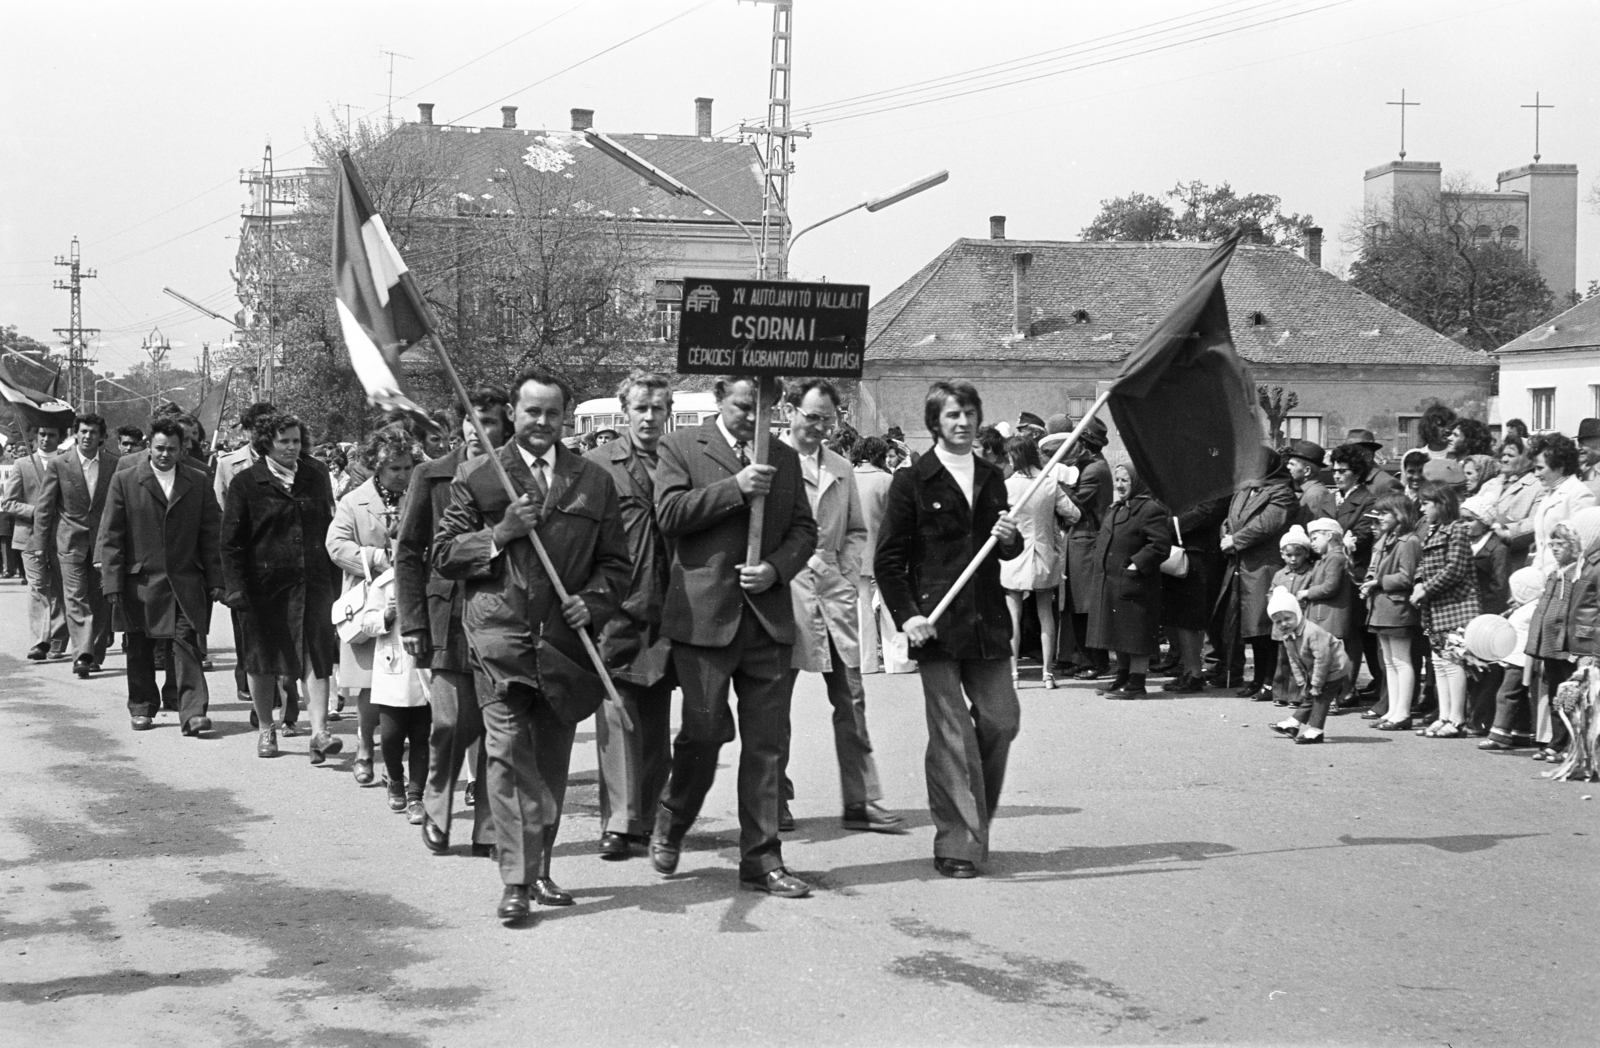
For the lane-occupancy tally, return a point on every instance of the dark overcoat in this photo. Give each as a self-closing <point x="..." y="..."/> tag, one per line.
<point x="928" y="536"/>
<point x="1330" y="595"/>
<point x="277" y="572"/>
<point x="1137" y="533"/>
<point x="1257" y="518"/>
<point x="1092" y="495"/>
<point x="160" y="555"/>
<point x="1189" y="602"/>
<point x="510" y="602"/>
<point x="705" y="519"/>
<point x="425" y="600"/>
<point x="632" y="643"/>
<point x="1354" y="516"/>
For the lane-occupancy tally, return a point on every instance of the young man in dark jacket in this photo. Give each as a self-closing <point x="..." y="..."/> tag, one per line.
<point x="940" y="511"/>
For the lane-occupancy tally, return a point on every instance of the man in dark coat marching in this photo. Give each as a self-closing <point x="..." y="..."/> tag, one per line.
<point x="429" y="608"/>
<point x="534" y="679"/>
<point x="161" y="569"/>
<point x="940" y="512"/>
<point x="731" y="625"/>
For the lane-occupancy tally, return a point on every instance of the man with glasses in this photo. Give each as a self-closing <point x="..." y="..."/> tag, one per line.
<point x="826" y="613"/>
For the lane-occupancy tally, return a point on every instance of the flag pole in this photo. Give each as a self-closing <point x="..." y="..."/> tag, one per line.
<point x="533" y="537"/>
<point x="222" y="411"/>
<point x="988" y="546"/>
<point x="758" y="503"/>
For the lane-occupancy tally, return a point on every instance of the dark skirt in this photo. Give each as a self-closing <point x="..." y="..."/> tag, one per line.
<point x="291" y="636"/>
<point x="1190" y="602"/>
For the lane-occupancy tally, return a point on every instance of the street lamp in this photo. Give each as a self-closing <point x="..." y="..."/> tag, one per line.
<point x="877" y="203"/>
<point x="666" y="183"/>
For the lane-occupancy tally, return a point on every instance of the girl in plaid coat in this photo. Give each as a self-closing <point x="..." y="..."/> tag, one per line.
<point x="1446" y="591"/>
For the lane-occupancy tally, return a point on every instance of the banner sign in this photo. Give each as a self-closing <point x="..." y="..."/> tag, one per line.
<point x="771" y="327"/>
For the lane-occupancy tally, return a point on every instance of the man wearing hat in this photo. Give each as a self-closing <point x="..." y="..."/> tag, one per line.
<point x="1304" y="461"/>
<point x="1589" y="453"/>
<point x="1380" y="482"/>
<point x="1030" y="424"/>
<point x="1444" y="471"/>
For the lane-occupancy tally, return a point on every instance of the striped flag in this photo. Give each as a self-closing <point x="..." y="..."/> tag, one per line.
<point x="33" y="407"/>
<point x="380" y="308"/>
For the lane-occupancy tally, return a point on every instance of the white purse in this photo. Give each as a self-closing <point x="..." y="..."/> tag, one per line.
<point x="347" y="610"/>
<point x="1177" y="562"/>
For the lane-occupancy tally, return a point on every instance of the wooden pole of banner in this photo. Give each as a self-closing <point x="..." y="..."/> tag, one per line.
<point x="758" y="503"/>
<point x="533" y="536"/>
<point x="988" y="547"/>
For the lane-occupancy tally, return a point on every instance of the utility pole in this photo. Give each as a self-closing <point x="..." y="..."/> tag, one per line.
<point x="156" y="346"/>
<point x="777" y="147"/>
<point x="75" y="335"/>
<point x="266" y="349"/>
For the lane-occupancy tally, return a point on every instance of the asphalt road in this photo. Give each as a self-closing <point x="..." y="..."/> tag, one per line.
<point x="1165" y="872"/>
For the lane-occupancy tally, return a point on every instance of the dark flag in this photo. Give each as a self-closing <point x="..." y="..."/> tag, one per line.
<point x="1184" y="403"/>
<point x="380" y="308"/>
<point x="212" y="406"/>
<point x="33" y="407"/>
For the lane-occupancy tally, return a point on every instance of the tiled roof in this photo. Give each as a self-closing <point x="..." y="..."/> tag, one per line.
<point x="1577" y="328"/>
<point x="725" y="172"/>
<point x="960" y="307"/>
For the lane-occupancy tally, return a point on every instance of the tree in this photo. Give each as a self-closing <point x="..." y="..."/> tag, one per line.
<point x="533" y="268"/>
<point x="1276" y="403"/>
<point x="1436" y="258"/>
<point x="1201" y="212"/>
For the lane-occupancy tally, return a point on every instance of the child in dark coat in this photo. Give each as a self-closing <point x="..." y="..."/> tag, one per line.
<point x="1317" y="662"/>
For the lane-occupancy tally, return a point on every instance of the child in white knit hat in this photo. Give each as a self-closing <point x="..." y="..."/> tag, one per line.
<point x="1317" y="662"/>
<point x="1513" y="710"/>
<point x="1294" y="576"/>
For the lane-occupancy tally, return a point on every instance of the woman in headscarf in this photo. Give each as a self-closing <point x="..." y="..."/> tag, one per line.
<point x="1479" y="469"/>
<point x="1258" y="516"/>
<point x="1135" y="537"/>
<point x="1511" y="494"/>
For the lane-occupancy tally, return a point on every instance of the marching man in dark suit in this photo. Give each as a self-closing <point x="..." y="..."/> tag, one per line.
<point x="634" y="762"/>
<point x="20" y="497"/>
<point x="161" y="565"/>
<point x="940" y="512"/>
<point x="534" y="679"/>
<point x="731" y="623"/>
<point x="70" y="505"/>
<point x="429" y="608"/>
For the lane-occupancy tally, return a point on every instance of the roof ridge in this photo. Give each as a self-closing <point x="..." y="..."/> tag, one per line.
<point x="931" y="269"/>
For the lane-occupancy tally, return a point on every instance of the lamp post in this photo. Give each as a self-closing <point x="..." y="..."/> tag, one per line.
<point x="877" y="203"/>
<point x="667" y="184"/>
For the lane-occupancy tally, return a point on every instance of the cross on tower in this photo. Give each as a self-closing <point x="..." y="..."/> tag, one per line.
<point x="1536" y="107"/>
<point x="1403" y="104"/>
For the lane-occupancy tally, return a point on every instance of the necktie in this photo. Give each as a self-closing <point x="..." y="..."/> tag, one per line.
<point x="541" y="487"/>
<point x="739" y="451"/>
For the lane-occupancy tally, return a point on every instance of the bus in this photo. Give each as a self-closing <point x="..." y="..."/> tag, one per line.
<point x="689" y="409"/>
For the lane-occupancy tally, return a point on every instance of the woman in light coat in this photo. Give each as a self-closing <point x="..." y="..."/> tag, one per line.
<point x="872" y="477"/>
<point x="1555" y="464"/>
<point x="1511" y="495"/>
<point x="359" y="543"/>
<point x="1038" y="571"/>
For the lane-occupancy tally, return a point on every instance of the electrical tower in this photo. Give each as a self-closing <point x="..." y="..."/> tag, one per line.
<point x="777" y="146"/>
<point x="75" y="336"/>
<point x="156" y="346"/>
<point x="266" y="346"/>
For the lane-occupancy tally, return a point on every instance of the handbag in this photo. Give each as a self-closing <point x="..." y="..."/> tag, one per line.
<point x="1177" y="562"/>
<point x="348" y="609"/>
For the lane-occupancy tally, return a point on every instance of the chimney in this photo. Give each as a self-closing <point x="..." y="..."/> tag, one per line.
<point x="508" y="116"/>
<point x="702" y="117"/>
<point x="997" y="227"/>
<point x="425" y="112"/>
<point x="1022" y="303"/>
<point x="1314" y="246"/>
<point x="582" y="119"/>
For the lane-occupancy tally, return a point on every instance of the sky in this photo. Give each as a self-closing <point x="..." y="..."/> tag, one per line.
<point x="127" y="125"/>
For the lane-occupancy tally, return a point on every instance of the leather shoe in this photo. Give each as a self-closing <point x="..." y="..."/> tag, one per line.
<point x="785" y="819"/>
<point x="267" y="744"/>
<point x="664" y="855"/>
<point x="143" y="724"/>
<point x="57" y="654"/>
<point x="548" y="893"/>
<point x="469" y="795"/>
<point x="83" y="666"/>
<point x="38" y="652"/>
<point x="614" y="846"/>
<point x="960" y="869"/>
<point x="872" y="817"/>
<point x="779" y="882"/>
<point x="1308" y="740"/>
<point x="322" y="745"/>
<point x="483" y="851"/>
<point x="514" y="903"/>
<point x="433" y="838"/>
<point x="196" y="725"/>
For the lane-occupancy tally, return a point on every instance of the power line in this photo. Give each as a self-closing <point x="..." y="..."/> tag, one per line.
<point x="414" y="91"/>
<point x="584" y="61"/>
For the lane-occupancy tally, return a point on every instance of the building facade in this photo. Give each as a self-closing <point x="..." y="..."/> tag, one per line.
<point x="1550" y="376"/>
<point x="1044" y="326"/>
